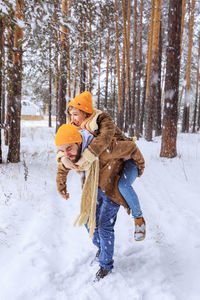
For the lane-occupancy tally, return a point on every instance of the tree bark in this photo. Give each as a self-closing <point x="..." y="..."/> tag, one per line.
<point x="149" y="51"/>
<point x="63" y="71"/>
<point x="117" y="56"/>
<point x="50" y="85"/>
<point x="126" y="40"/>
<point x="182" y="22"/>
<point x="1" y="83"/>
<point x="83" y="66"/>
<point x="158" y="129"/>
<point x="68" y="52"/>
<point x="90" y="51"/>
<point x="107" y="69"/>
<point x="138" y="102"/>
<point x="154" y="82"/>
<point x="197" y="93"/>
<point x="186" y="110"/>
<point x="169" y="131"/>
<point x="120" y="116"/>
<point x="9" y="88"/>
<point x="133" y="89"/>
<point x="99" y="75"/>
<point x="15" y="110"/>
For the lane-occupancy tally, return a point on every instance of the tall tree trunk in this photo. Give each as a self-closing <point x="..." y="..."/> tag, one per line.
<point x="169" y="131"/>
<point x="83" y="66"/>
<point x="126" y="41"/>
<point x="186" y="110"/>
<point x="114" y="92"/>
<point x="143" y="104"/>
<point x="120" y="117"/>
<point x="99" y="76"/>
<point x="198" y="120"/>
<point x="147" y="71"/>
<point x="90" y="52"/>
<point x="149" y="51"/>
<point x="133" y="89"/>
<point x="56" y="68"/>
<point x="154" y="82"/>
<point x="75" y="76"/>
<point x="9" y="88"/>
<point x="107" y="69"/>
<point x="137" y="122"/>
<point x="111" y="79"/>
<point x="182" y="22"/>
<point x="63" y="70"/>
<point x="157" y="123"/>
<point x="117" y="56"/>
<point x="1" y="83"/>
<point x="68" y="51"/>
<point x="197" y="93"/>
<point x="50" y="84"/>
<point x="14" y="138"/>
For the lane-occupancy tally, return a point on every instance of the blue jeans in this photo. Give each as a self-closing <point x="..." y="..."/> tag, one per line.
<point x="106" y="215"/>
<point x="129" y="174"/>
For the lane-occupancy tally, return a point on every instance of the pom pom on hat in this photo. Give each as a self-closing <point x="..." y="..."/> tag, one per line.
<point x="83" y="102"/>
<point x="67" y="134"/>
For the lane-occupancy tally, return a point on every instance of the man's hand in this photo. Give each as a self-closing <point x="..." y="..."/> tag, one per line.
<point x="65" y="196"/>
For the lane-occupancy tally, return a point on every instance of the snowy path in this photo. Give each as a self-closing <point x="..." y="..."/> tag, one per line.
<point x="42" y="256"/>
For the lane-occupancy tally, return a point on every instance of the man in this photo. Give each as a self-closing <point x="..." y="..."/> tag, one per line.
<point x="101" y="198"/>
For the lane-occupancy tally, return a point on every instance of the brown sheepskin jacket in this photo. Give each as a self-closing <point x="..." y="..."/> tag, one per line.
<point x="111" y="146"/>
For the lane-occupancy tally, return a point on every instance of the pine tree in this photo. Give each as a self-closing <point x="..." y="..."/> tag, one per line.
<point x="186" y="111"/>
<point x="117" y="56"/>
<point x="1" y="84"/>
<point x="154" y="84"/>
<point x="140" y="66"/>
<point x="197" y="92"/>
<point x="169" y="131"/>
<point x="15" y="109"/>
<point x="61" y="116"/>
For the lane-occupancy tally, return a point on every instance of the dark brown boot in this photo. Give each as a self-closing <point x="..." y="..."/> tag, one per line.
<point x="101" y="273"/>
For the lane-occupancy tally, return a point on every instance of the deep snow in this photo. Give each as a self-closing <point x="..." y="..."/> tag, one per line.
<point x="42" y="256"/>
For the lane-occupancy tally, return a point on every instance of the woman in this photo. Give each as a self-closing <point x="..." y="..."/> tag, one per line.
<point x="82" y="114"/>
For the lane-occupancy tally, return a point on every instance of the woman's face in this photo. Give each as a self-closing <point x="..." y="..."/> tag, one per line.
<point x="77" y="116"/>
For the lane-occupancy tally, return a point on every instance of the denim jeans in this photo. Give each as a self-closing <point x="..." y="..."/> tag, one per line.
<point x="106" y="215"/>
<point x="129" y="174"/>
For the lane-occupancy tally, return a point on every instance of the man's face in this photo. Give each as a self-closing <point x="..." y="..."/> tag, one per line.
<point x="71" y="151"/>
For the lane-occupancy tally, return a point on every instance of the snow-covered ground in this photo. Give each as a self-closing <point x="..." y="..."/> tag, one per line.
<point x="43" y="257"/>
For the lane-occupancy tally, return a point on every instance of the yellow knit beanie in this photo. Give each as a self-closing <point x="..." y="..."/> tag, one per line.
<point x="67" y="134"/>
<point x="83" y="102"/>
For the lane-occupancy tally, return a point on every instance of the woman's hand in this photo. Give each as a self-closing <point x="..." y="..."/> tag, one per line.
<point x="81" y="161"/>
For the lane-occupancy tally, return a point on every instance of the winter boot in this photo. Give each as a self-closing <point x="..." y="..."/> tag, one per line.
<point x="101" y="273"/>
<point x="96" y="258"/>
<point x="140" y="229"/>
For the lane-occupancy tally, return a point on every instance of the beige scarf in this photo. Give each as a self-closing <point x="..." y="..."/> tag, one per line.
<point x="90" y="188"/>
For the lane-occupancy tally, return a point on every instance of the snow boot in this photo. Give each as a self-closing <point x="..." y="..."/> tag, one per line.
<point x="96" y="258"/>
<point x="140" y="229"/>
<point x="101" y="273"/>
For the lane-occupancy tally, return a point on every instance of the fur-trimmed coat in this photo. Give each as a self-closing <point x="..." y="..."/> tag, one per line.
<point x="111" y="146"/>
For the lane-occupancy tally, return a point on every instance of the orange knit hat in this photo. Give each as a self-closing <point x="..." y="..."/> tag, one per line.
<point x="67" y="134"/>
<point x="83" y="102"/>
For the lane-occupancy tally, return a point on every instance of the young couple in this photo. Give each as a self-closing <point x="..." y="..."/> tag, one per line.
<point x="92" y="143"/>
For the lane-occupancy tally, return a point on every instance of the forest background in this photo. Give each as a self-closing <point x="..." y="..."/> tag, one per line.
<point x="139" y="59"/>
